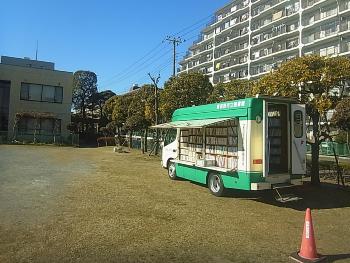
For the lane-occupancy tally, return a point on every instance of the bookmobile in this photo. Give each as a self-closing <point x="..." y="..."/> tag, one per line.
<point x="248" y="144"/>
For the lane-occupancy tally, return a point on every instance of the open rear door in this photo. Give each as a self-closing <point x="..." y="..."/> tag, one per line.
<point x="298" y="136"/>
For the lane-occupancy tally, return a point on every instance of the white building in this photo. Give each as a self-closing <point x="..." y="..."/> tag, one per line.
<point x="248" y="38"/>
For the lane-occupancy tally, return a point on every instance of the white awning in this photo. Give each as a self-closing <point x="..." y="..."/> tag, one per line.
<point x="190" y="124"/>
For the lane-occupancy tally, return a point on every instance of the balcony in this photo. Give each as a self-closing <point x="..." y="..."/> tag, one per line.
<point x="344" y="6"/>
<point x="229" y="50"/>
<point x="328" y="30"/>
<point x="231" y="62"/>
<point x="233" y="35"/>
<point x="338" y="49"/>
<point x="310" y="3"/>
<point x="226" y="77"/>
<point x="275" y="48"/>
<point x="320" y="16"/>
<point x="276" y="31"/>
<point x="236" y="9"/>
<point x="279" y="16"/>
<point x="261" y="69"/>
<point x="267" y="6"/>
<point x="233" y="10"/>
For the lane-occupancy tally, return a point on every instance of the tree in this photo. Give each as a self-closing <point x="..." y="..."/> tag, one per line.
<point x="341" y="117"/>
<point x="108" y="107"/>
<point x="84" y="87"/>
<point x="317" y="82"/>
<point x="74" y="129"/>
<point x="110" y="127"/>
<point x="184" y="90"/>
<point x="120" y="109"/>
<point x="235" y="89"/>
<point x="119" y="106"/>
<point x="98" y="100"/>
<point x="141" y="111"/>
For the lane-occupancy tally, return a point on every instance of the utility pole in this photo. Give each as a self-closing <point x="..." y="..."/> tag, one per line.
<point x="36" y="50"/>
<point x="155" y="83"/>
<point x="175" y="41"/>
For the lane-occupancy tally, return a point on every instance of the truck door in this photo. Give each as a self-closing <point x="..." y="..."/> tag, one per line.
<point x="298" y="137"/>
<point x="277" y="138"/>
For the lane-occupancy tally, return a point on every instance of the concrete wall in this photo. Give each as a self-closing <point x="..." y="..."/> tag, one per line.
<point x="18" y="74"/>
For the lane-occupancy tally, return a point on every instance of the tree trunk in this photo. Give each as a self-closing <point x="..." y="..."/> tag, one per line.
<point x="130" y="140"/>
<point x="35" y="130"/>
<point x="119" y="136"/>
<point x="15" y="124"/>
<point x="54" y="131"/>
<point x="157" y="143"/>
<point x="146" y="141"/>
<point x="315" y="150"/>
<point x="143" y="143"/>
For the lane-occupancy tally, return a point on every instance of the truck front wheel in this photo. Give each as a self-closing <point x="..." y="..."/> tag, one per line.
<point x="216" y="185"/>
<point x="172" y="170"/>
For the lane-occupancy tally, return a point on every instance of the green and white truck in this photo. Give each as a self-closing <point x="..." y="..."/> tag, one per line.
<point x="248" y="144"/>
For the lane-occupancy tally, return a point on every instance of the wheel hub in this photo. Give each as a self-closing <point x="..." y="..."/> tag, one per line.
<point x="215" y="184"/>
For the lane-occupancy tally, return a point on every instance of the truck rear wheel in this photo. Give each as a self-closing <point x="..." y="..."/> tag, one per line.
<point x="172" y="170"/>
<point x="215" y="184"/>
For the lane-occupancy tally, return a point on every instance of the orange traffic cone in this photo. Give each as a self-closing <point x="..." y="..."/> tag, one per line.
<point x="308" y="252"/>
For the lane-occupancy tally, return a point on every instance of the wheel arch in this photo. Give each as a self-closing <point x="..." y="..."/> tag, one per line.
<point x="168" y="161"/>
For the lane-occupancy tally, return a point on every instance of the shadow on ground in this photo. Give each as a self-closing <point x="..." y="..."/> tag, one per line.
<point x="334" y="258"/>
<point x="325" y="196"/>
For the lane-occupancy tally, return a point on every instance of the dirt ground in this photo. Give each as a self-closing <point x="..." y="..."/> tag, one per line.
<point x="93" y="205"/>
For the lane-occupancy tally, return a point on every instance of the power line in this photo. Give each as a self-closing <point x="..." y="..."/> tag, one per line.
<point x="132" y="70"/>
<point x="132" y="74"/>
<point x="158" y="69"/>
<point x="127" y="72"/>
<point x="135" y="63"/>
<point x="190" y="26"/>
<point x="193" y="29"/>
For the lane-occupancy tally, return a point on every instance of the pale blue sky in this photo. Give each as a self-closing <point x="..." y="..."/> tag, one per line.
<point x="103" y="36"/>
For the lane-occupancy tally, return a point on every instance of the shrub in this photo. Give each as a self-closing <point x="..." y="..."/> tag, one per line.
<point x="106" y="141"/>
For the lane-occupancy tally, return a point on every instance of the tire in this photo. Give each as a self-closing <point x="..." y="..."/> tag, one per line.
<point x="215" y="184"/>
<point x="172" y="170"/>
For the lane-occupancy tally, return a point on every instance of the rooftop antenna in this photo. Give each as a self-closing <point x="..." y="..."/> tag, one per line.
<point x="36" y="51"/>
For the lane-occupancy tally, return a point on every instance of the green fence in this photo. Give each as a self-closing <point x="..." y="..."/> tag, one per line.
<point x="72" y="139"/>
<point x="326" y="148"/>
<point x="3" y="137"/>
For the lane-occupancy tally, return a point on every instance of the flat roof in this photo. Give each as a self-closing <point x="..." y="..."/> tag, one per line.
<point x="34" y="68"/>
<point x="27" y="62"/>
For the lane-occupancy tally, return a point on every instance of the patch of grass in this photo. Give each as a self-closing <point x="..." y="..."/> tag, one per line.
<point x="117" y="207"/>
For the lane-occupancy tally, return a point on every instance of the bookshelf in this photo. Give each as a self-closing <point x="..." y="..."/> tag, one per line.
<point x="191" y="144"/>
<point x="219" y="143"/>
<point x="275" y="139"/>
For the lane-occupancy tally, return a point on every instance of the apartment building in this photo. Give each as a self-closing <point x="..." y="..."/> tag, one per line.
<point x="249" y="38"/>
<point x="34" y="89"/>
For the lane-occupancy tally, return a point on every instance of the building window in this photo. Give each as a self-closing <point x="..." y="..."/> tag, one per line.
<point x="43" y="93"/>
<point x="28" y="125"/>
<point x="4" y="104"/>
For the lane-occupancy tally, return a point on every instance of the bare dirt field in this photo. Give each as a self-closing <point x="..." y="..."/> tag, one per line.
<point x="93" y="205"/>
